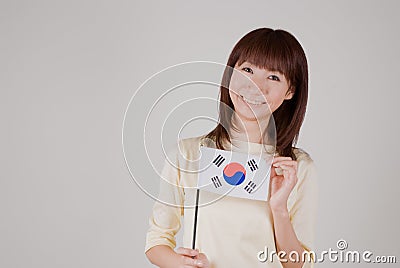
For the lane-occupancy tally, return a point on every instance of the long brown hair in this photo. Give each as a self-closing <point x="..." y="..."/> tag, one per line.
<point x="276" y="50"/>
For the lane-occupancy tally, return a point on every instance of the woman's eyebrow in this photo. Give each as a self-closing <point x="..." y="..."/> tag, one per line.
<point x="245" y="62"/>
<point x="275" y="72"/>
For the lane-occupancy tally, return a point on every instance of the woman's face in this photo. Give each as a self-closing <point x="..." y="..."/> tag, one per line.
<point x="256" y="93"/>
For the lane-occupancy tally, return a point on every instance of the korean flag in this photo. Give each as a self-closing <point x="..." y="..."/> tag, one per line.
<point x="234" y="174"/>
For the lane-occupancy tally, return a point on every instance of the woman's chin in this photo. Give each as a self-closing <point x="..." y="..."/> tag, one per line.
<point x="252" y="111"/>
<point x="250" y="116"/>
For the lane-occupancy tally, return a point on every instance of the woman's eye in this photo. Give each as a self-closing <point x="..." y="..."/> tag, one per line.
<point x="274" y="77"/>
<point x="247" y="69"/>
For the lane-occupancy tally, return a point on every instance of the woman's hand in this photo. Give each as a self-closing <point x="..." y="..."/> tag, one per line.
<point x="282" y="185"/>
<point x="192" y="258"/>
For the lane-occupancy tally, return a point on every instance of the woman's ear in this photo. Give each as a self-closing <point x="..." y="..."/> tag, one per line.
<point x="289" y="93"/>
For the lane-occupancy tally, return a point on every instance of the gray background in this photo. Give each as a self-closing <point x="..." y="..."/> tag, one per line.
<point x="69" y="68"/>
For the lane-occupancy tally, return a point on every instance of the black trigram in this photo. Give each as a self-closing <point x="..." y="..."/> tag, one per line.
<point x="216" y="181"/>
<point x="252" y="164"/>
<point x="219" y="160"/>
<point x="250" y="187"/>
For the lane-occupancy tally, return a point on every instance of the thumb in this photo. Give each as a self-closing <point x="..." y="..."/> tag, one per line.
<point x="273" y="172"/>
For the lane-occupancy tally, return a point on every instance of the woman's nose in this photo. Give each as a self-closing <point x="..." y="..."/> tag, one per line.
<point x="258" y="84"/>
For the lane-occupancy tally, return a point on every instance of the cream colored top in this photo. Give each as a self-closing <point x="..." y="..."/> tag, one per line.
<point x="230" y="231"/>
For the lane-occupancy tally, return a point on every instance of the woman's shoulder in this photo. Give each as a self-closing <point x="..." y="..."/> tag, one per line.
<point x="189" y="147"/>
<point x="302" y="154"/>
<point x="305" y="163"/>
<point x="195" y="141"/>
<point x="190" y="142"/>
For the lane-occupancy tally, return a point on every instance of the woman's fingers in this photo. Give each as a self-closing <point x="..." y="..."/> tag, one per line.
<point x="280" y="158"/>
<point x="187" y="252"/>
<point x="284" y="162"/>
<point x="287" y="167"/>
<point x="273" y="172"/>
<point x="289" y="172"/>
<point x="189" y="257"/>
<point x="189" y="262"/>
<point x="203" y="258"/>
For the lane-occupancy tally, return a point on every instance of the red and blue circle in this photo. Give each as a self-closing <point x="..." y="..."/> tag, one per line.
<point x="234" y="173"/>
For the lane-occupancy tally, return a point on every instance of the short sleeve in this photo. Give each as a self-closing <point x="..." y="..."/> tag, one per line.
<point x="304" y="209"/>
<point x="165" y="219"/>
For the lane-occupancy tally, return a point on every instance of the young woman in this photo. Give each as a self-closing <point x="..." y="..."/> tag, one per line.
<point x="233" y="231"/>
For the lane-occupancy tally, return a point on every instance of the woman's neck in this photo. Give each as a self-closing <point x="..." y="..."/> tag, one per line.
<point x="249" y="130"/>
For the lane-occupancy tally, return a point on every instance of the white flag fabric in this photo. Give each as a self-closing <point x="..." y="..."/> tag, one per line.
<point x="234" y="174"/>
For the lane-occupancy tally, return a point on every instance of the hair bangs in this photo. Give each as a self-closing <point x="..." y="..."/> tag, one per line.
<point x="269" y="52"/>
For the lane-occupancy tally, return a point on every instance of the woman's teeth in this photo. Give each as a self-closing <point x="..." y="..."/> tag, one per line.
<point x="252" y="101"/>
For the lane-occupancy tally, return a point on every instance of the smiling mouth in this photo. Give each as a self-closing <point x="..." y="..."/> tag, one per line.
<point x="253" y="102"/>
